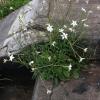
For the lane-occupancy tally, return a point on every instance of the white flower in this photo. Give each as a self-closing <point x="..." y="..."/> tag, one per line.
<point x="61" y="30"/>
<point x="85" y="50"/>
<point x="64" y="36"/>
<point x="11" y="57"/>
<point x="65" y="26"/>
<point x="49" y="91"/>
<point x="11" y="8"/>
<point x="83" y="20"/>
<point x="85" y="25"/>
<point x="71" y="29"/>
<point x="74" y="23"/>
<point x="70" y="67"/>
<point x="49" y="28"/>
<point x="83" y="9"/>
<point x="44" y="1"/>
<point x="53" y="43"/>
<point x="98" y="7"/>
<point x="5" y="60"/>
<point x="90" y="11"/>
<point x="33" y="69"/>
<point x="49" y="58"/>
<point x="37" y="52"/>
<point x="31" y="62"/>
<point x="81" y="59"/>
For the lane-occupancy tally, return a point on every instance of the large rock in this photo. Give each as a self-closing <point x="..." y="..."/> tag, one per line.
<point x="32" y="18"/>
<point x="23" y="29"/>
<point x="6" y="24"/>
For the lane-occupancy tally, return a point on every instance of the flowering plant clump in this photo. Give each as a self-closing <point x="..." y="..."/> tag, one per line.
<point x="61" y="57"/>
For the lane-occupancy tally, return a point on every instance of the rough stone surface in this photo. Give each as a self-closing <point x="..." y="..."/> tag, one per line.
<point x="59" y="11"/>
<point x="24" y="29"/>
<point x="37" y="13"/>
<point x="6" y="24"/>
<point x="40" y="90"/>
<point x="87" y="87"/>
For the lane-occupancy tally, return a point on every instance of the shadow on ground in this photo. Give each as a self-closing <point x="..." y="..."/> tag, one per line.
<point x="15" y="82"/>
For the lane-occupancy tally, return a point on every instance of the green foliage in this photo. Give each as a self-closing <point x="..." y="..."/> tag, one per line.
<point x="10" y="5"/>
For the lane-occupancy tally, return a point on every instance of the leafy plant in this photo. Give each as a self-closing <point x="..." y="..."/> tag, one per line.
<point x="62" y="57"/>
